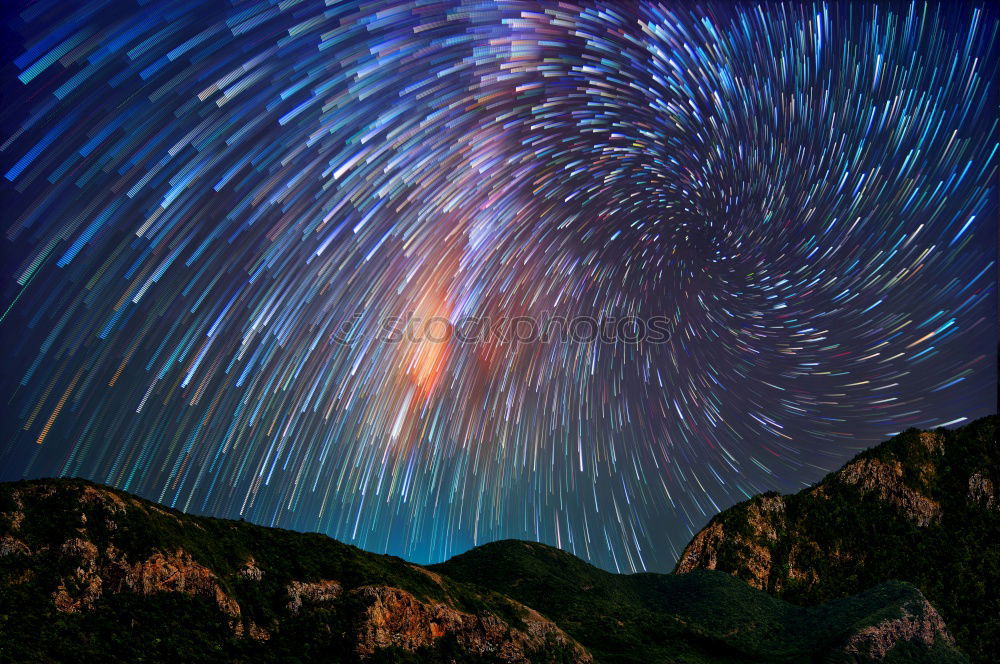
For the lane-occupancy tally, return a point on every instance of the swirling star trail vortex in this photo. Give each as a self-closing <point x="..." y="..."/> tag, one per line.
<point x="197" y="195"/>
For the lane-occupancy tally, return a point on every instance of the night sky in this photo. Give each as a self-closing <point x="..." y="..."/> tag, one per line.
<point x="199" y="197"/>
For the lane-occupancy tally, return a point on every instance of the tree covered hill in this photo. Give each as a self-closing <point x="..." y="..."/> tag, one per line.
<point x="921" y="507"/>
<point x="703" y="616"/>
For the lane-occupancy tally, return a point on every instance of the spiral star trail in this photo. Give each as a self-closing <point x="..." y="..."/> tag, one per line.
<point x="198" y="195"/>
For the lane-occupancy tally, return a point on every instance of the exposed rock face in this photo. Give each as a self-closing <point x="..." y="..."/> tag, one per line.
<point x="765" y="516"/>
<point x="932" y="440"/>
<point x="110" y="501"/>
<point x="113" y="573"/>
<point x="176" y="572"/>
<point x="703" y="551"/>
<point x="981" y="491"/>
<point x="84" y="586"/>
<point x="920" y="623"/>
<point x="251" y="571"/>
<point x="886" y="481"/>
<point x="13" y="518"/>
<point x="316" y="593"/>
<point x="395" y="618"/>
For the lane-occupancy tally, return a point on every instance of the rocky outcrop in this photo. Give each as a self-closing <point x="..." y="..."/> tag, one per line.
<point x="319" y="593"/>
<point x="932" y="441"/>
<point x="112" y="572"/>
<point x="703" y="551"/>
<point x="765" y="517"/>
<point x="918" y="624"/>
<point x="981" y="491"/>
<point x="748" y="537"/>
<point x="395" y="618"/>
<point x="84" y="586"/>
<point x="885" y="479"/>
<point x="251" y="571"/>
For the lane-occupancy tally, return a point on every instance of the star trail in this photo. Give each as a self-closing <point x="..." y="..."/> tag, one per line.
<point x="198" y="195"/>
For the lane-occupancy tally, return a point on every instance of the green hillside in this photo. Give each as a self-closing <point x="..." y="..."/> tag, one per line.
<point x="698" y="617"/>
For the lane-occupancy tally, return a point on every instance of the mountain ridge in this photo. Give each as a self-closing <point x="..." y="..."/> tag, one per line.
<point x="920" y="507"/>
<point x="79" y="560"/>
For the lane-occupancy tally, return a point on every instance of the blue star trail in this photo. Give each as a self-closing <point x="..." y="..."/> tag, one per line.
<point x="198" y="195"/>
